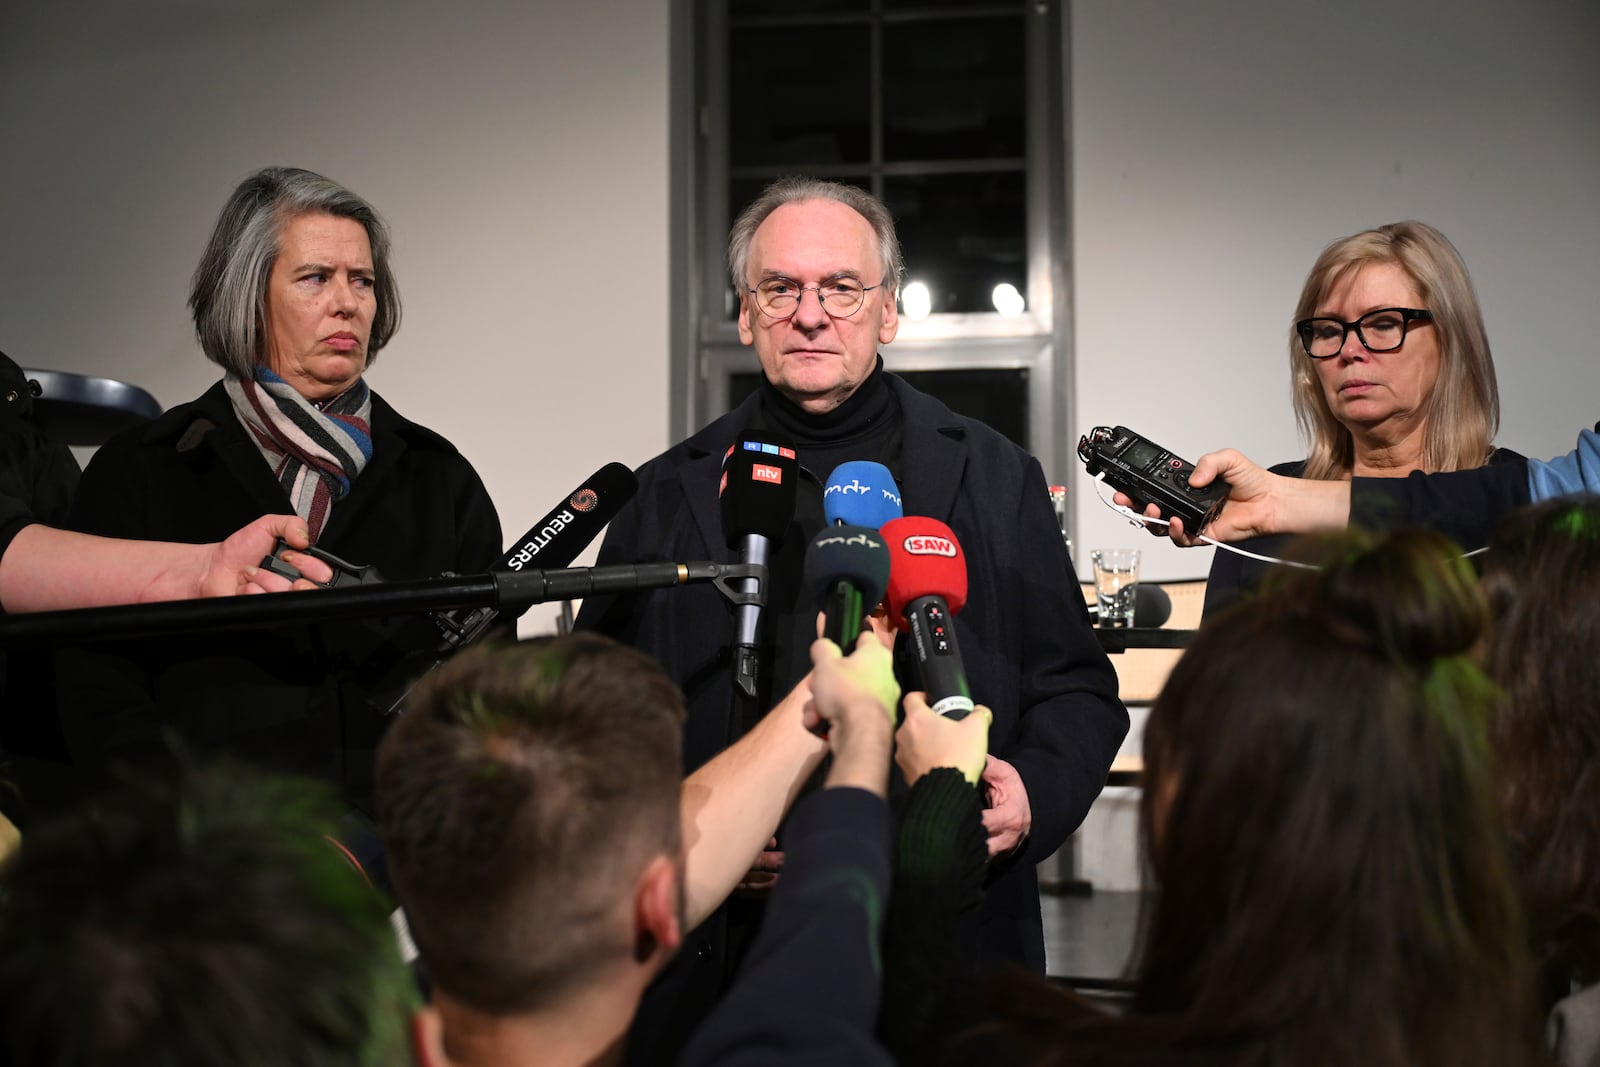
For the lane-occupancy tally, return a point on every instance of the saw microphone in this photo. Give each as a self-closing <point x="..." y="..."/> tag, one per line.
<point x="927" y="586"/>
<point x="757" y="495"/>
<point x="847" y="568"/>
<point x="861" y="493"/>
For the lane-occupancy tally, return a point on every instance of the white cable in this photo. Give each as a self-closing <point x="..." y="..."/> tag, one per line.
<point x="1146" y="521"/>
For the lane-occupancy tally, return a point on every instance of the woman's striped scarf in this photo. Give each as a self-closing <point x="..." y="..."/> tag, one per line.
<point x="315" y="453"/>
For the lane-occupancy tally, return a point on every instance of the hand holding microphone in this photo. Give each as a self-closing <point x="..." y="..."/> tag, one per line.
<point x="927" y="741"/>
<point x="853" y="703"/>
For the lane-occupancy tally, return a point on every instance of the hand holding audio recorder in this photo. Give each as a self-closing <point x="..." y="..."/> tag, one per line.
<point x="1149" y="474"/>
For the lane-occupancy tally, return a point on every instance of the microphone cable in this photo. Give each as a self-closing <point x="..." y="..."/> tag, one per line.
<point x="1136" y="519"/>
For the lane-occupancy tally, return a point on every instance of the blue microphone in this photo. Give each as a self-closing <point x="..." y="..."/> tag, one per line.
<point x="861" y="493"/>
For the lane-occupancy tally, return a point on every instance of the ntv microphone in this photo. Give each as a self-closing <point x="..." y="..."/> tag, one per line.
<point x="847" y="567"/>
<point x="861" y="493"/>
<point x="927" y="586"/>
<point x="756" y="495"/>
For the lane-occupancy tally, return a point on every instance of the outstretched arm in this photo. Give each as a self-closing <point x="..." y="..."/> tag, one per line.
<point x="1259" y="502"/>
<point x="809" y="989"/>
<point x="732" y="805"/>
<point x="46" y="569"/>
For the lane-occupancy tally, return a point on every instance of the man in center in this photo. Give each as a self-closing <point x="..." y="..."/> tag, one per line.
<point x="817" y="265"/>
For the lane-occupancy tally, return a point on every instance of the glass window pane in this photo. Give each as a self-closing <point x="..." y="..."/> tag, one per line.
<point x="799" y="95"/>
<point x="926" y="5"/>
<point x="789" y="8"/>
<point x="953" y="89"/>
<point x="962" y="235"/>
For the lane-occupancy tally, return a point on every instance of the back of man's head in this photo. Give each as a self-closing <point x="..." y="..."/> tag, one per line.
<point x="198" y="921"/>
<point x="520" y="797"/>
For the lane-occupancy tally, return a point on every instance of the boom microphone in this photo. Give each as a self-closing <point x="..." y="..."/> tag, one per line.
<point x="927" y="586"/>
<point x="554" y="542"/>
<point x="861" y="493"/>
<point x="848" y="568"/>
<point x="540" y="586"/>
<point x="757" y="495"/>
<point x="557" y="539"/>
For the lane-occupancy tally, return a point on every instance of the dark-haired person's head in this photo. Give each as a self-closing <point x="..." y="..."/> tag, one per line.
<point x="1542" y="578"/>
<point x="200" y="921"/>
<point x="1320" y="815"/>
<point x="528" y="799"/>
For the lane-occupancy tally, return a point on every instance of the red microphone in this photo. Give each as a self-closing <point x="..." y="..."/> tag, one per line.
<point x="927" y="586"/>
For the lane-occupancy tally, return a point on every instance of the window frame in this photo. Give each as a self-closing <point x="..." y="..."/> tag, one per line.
<point x="706" y="347"/>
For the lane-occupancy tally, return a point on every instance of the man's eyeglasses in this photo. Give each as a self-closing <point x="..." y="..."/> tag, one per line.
<point x="779" y="298"/>
<point x="1383" y="330"/>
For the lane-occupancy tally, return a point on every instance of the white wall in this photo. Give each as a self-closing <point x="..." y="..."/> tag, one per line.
<point x="1218" y="147"/>
<point x="518" y="151"/>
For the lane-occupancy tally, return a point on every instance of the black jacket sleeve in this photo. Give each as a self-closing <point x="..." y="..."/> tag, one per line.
<point x="1466" y="505"/>
<point x="930" y="941"/>
<point x="809" y="990"/>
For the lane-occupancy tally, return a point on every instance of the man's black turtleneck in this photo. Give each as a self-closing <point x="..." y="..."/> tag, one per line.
<point x="867" y="426"/>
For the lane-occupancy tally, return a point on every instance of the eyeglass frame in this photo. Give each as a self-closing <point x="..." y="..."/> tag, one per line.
<point x="1407" y="317"/>
<point x="755" y="295"/>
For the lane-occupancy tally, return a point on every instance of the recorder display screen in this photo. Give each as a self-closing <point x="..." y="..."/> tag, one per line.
<point x="1140" y="454"/>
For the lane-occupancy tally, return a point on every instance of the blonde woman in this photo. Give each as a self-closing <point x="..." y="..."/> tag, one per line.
<point x="1390" y="369"/>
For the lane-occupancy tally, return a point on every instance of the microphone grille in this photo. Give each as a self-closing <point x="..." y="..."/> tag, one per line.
<point x="924" y="559"/>
<point x="861" y="493"/>
<point x="757" y="491"/>
<point x="853" y="553"/>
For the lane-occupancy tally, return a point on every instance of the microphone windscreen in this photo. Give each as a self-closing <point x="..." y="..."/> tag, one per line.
<point x="758" y="487"/>
<point x="855" y="554"/>
<point x="925" y="559"/>
<point x="861" y="493"/>
<point x="558" y="538"/>
<point x="1152" y="606"/>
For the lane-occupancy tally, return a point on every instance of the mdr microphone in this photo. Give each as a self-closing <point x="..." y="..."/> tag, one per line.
<point x="927" y="586"/>
<point x="861" y="493"/>
<point x="756" y="494"/>
<point x="847" y="568"/>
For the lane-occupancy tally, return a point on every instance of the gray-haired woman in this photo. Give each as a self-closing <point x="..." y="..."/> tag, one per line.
<point x="293" y="298"/>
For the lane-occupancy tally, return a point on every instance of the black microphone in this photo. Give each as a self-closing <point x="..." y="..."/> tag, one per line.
<point x="757" y="497"/>
<point x="848" y="569"/>
<point x="524" y="588"/>
<point x="1152" y="605"/>
<point x="557" y="539"/>
<point x="553" y="542"/>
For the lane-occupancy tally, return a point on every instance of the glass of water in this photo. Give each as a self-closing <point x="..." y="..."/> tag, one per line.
<point x="1116" y="571"/>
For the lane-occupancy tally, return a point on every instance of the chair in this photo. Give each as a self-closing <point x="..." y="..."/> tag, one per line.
<point x="82" y="409"/>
